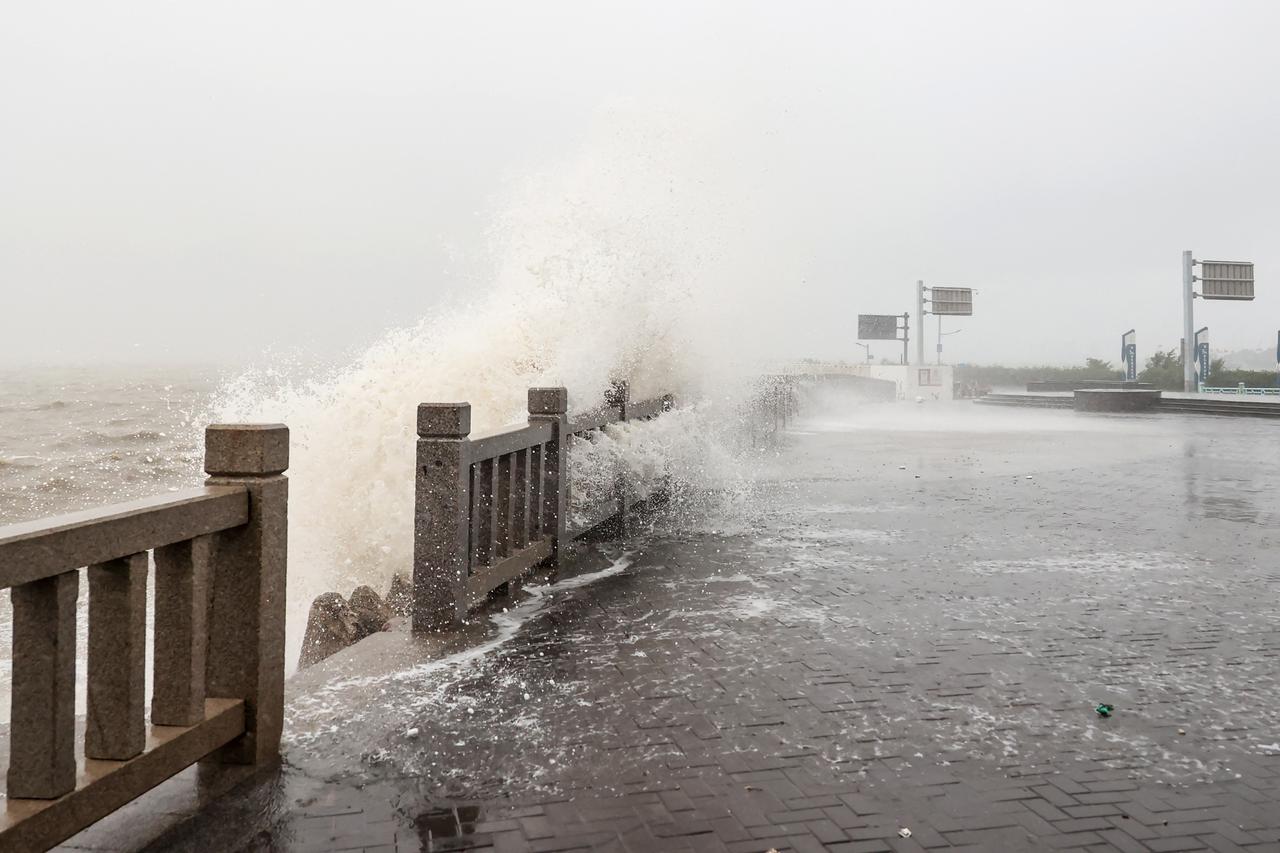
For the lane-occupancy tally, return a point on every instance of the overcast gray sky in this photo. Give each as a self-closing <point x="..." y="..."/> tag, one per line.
<point x="193" y="182"/>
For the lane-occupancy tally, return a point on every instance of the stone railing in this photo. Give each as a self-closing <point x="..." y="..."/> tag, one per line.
<point x="490" y="508"/>
<point x="218" y="676"/>
<point x="618" y="408"/>
<point x="775" y="402"/>
<point x="1242" y="391"/>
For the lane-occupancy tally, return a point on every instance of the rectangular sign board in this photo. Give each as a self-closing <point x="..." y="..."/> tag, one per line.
<point x="1129" y="354"/>
<point x="878" y="327"/>
<point x="951" y="300"/>
<point x="1226" y="279"/>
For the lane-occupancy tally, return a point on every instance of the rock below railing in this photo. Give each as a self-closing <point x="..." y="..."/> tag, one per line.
<point x="334" y="622"/>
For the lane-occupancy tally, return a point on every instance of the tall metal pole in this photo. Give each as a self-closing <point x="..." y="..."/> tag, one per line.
<point x="906" y="336"/>
<point x="920" y="322"/>
<point x="939" y="340"/>
<point x="1188" y="323"/>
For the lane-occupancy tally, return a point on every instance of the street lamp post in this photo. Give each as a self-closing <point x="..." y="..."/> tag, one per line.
<point x="941" y="335"/>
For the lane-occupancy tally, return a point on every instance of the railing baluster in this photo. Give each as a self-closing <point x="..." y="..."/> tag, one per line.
<point x="182" y="604"/>
<point x="484" y="514"/>
<point x="621" y="398"/>
<point x="492" y="511"/>
<point x="472" y="513"/>
<point x="502" y="507"/>
<point x="520" y="500"/>
<point x="475" y="551"/>
<point x="42" y="733"/>
<point x="536" y="487"/>
<point x="116" y="724"/>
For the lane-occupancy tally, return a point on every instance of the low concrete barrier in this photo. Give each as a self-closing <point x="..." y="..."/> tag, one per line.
<point x="218" y="695"/>
<point x="1115" y="400"/>
<point x="1201" y="404"/>
<point x="1049" y="385"/>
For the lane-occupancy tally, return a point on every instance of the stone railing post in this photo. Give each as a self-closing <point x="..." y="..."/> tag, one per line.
<point x="441" y="517"/>
<point x="619" y="395"/>
<point x="552" y="404"/>
<point x="42" y="727"/>
<point x="247" y="592"/>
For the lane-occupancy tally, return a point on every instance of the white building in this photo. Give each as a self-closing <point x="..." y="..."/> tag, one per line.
<point x="927" y="381"/>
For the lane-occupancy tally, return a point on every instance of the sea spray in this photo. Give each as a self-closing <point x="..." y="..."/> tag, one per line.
<point x="594" y="267"/>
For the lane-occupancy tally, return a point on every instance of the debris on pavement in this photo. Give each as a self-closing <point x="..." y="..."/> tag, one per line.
<point x="1104" y="710"/>
<point x="904" y="832"/>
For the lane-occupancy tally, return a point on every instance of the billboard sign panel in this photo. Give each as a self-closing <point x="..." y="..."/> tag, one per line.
<point x="951" y="300"/>
<point x="878" y="327"/>
<point x="1226" y="279"/>
<point x="1202" y="361"/>
<point x="1129" y="354"/>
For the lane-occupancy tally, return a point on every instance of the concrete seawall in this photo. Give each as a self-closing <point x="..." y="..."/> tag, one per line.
<point x="1114" y="400"/>
<point x="1168" y="402"/>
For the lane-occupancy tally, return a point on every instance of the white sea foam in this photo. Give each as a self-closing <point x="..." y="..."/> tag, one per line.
<point x="431" y="679"/>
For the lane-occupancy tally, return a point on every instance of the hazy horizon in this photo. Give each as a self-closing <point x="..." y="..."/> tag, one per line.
<point x="232" y="185"/>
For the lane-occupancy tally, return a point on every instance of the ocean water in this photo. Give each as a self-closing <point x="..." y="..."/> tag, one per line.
<point x="73" y="438"/>
<point x="77" y="438"/>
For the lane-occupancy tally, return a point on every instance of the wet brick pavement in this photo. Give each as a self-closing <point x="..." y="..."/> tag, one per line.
<point x="907" y="628"/>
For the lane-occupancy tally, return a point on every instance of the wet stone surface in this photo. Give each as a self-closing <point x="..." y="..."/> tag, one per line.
<point x="908" y="629"/>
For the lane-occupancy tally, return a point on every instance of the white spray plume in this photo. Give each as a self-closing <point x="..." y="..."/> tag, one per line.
<point x="595" y="267"/>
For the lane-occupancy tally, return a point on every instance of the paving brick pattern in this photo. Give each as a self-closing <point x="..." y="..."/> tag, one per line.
<point x="863" y="651"/>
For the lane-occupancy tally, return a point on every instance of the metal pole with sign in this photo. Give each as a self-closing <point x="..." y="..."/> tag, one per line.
<point x="1230" y="280"/>
<point x="883" y="327"/>
<point x="906" y="335"/>
<point x="878" y="327"/>
<point x="950" y="301"/>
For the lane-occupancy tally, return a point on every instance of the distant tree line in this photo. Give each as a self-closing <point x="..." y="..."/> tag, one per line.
<point x="997" y="375"/>
<point x="1163" y="370"/>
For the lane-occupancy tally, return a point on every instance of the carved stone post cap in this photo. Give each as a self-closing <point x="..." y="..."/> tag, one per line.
<point x="444" y="420"/>
<point x="548" y="401"/>
<point x="251" y="449"/>
<point x="619" y="393"/>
